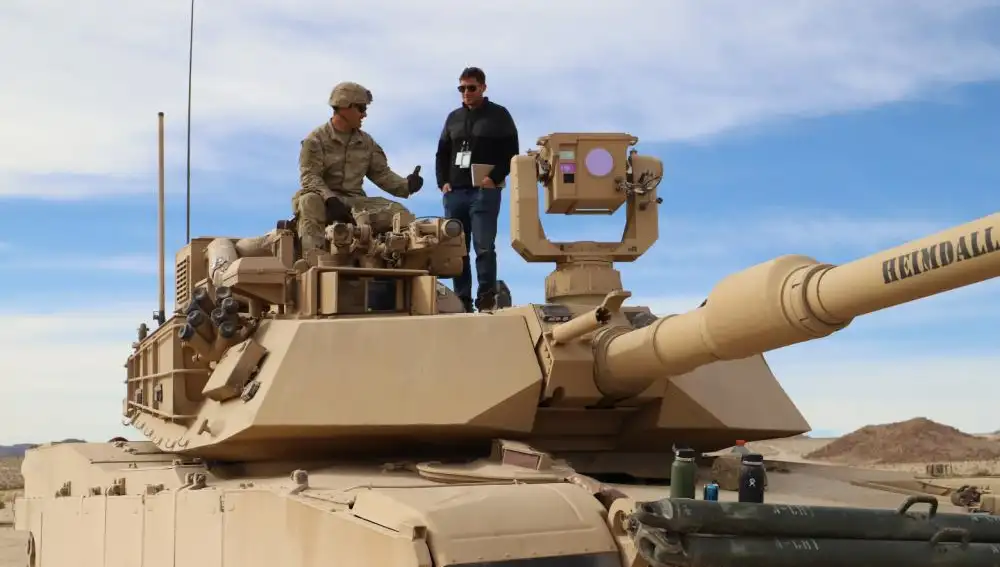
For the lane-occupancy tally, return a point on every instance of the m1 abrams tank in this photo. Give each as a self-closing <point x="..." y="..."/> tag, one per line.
<point x="339" y="409"/>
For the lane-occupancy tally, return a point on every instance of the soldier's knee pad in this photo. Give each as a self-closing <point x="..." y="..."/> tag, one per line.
<point x="312" y="207"/>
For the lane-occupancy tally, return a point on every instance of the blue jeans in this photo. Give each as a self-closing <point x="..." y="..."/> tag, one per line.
<point x="477" y="210"/>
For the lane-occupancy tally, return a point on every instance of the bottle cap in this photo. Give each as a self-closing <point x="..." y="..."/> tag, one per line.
<point x="685" y="453"/>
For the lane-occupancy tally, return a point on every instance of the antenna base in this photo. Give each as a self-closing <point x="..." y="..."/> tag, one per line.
<point x="160" y="317"/>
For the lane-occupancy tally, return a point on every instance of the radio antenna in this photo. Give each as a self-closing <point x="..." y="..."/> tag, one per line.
<point x="160" y="315"/>
<point x="190" y="69"/>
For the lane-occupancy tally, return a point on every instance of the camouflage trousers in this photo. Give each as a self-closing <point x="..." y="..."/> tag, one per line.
<point x="311" y="210"/>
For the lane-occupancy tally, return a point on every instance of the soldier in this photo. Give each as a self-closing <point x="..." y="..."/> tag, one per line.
<point x="334" y="160"/>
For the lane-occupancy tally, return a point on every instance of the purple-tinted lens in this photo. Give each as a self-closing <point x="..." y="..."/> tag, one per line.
<point x="599" y="162"/>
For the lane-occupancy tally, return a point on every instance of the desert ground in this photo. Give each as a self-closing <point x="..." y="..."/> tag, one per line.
<point x="810" y="471"/>
<point x="11" y="548"/>
<point x="12" y="544"/>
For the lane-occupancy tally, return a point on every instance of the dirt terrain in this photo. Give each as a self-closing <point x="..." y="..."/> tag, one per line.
<point x="917" y="440"/>
<point x="11" y="543"/>
<point x="907" y="446"/>
<point x="10" y="473"/>
<point x="789" y="449"/>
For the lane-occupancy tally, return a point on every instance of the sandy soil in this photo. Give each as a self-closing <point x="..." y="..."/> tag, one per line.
<point x="791" y="449"/>
<point x="10" y="473"/>
<point x="794" y="449"/>
<point x="911" y="441"/>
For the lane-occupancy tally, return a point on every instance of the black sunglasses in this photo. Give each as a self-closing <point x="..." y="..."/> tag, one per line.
<point x="470" y="88"/>
<point x="362" y="108"/>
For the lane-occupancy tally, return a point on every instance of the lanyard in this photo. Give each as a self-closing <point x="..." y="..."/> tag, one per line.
<point x="469" y="123"/>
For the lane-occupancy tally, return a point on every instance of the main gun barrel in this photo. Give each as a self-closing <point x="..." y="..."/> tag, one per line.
<point x="792" y="299"/>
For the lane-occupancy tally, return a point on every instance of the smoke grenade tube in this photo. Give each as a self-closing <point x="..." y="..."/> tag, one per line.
<point x="791" y="521"/>
<point x="230" y="305"/>
<point x="228" y="329"/>
<point x="199" y="321"/>
<point x="189" y="335"/>
<point x="220" y="316"/>
<point x="222" y="292"/>
<point x="203" y="300"/>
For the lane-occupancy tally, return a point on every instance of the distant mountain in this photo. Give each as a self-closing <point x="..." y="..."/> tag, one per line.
<point x="19" y="449"/>
<point x="14" y="450"/>
<point x="824" y="433"/>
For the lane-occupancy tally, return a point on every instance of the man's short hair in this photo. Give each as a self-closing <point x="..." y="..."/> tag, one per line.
<point x="473" y="73"/>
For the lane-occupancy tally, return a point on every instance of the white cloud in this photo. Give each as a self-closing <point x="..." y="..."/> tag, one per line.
<point x="132" y="263"/>
<point x="101" y="71"/>
<point x="62" y="375"/>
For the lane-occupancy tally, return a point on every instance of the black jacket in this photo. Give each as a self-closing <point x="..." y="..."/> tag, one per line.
<point x="492" y="138"/>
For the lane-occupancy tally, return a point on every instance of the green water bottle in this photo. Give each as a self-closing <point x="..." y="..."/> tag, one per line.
<point x="682" y="474"/>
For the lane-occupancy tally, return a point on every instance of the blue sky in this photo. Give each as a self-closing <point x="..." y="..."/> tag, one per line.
<point x="817" y="128"/>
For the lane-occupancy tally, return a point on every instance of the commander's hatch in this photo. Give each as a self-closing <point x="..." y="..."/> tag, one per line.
<point x="508" y="461"/>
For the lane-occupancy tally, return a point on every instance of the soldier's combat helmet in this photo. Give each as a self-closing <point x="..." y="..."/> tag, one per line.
<point x="347" y="93"/>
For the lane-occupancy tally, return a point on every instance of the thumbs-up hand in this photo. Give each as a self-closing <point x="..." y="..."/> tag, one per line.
<point x="413" y="181"/>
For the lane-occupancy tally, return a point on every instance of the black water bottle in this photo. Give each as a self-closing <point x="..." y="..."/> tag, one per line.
<point x="752" y="478"/>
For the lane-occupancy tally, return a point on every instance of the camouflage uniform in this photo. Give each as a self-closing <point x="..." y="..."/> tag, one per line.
<point x="334" y="164"/>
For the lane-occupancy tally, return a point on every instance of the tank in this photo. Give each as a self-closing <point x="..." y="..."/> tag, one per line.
<point x="340" y="408"/>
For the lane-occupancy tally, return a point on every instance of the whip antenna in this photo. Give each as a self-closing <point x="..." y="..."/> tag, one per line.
<point x="160" y="315"/>
<point x="190" y="68"/>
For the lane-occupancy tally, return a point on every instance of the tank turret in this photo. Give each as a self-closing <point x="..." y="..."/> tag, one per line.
<point x="351" y="349"/>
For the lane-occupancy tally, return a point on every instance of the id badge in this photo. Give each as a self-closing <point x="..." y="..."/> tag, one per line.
<point x="463" y="159"/>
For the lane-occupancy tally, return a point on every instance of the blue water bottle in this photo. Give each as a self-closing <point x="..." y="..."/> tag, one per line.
<point x="711" y="491"/>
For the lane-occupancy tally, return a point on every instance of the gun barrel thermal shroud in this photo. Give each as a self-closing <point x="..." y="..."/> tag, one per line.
<point x="743" y="534"/>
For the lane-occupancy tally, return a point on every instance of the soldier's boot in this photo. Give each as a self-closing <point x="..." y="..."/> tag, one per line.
<point x="486" y="301"/>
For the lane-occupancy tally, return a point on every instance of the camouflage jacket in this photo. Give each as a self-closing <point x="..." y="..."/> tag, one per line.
<point x="332" y="163"/>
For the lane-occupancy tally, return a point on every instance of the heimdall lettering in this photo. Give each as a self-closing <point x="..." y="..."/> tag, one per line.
<point x="928" y="258"/>
<point x="940" y="255"/>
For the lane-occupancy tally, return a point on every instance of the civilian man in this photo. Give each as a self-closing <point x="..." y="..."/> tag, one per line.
<point x="334" y="160"/>
<point x="481" y="133"/>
